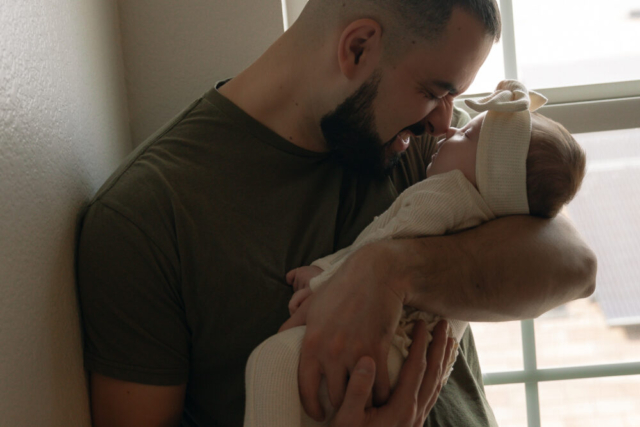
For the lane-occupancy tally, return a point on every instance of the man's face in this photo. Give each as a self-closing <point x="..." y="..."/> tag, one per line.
<point x="372" y="127"/>
<point x="351" y="134"/>
<point x="458" y="150"/>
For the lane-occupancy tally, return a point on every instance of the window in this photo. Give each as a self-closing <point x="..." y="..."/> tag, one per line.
<point x="578" y="364"/>
<point x="574" y="364"/>
<point x="583" y="58"/>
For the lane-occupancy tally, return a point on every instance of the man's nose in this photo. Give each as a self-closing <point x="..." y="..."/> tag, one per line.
<point x="438" y="122"/>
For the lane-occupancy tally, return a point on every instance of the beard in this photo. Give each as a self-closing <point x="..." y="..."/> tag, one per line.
<point x="351" y="135"/>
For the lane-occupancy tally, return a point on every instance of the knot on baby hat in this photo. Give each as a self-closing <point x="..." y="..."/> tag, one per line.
<point x="501" y="159"/>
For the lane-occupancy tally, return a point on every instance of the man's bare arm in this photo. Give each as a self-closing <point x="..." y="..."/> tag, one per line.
<point x="510" y="268"/>
<point x="516" y="267"/>
<point x="117" y="403"/>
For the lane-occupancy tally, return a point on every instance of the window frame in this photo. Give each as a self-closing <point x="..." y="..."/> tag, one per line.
<point x="531" y="375"/>
<point x="608" y="106"/>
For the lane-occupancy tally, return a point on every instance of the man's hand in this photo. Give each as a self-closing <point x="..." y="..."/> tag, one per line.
<point x="352" y="315"/>
<point x="418" y="388"/>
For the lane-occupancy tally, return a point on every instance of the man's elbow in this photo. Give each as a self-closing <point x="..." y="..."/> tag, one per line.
<point x="581" y="263"/>
<point x="589" y="272"/>
<point x="580" y="279"/>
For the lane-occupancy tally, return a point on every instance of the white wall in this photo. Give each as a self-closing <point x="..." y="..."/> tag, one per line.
<point x="63" y="129"/>
<point x="175" y="50"/>
<point x="292" y="10"/>
<point x="64" y="126"/>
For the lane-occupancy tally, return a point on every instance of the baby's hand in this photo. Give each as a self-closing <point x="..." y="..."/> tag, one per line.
<point x="298" y="298"/>
<point x="300" y="277"/>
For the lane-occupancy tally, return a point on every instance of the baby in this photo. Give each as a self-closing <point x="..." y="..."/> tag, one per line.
<point x="508" y="160"/>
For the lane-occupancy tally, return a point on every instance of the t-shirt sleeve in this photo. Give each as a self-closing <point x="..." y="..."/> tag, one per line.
<point x="135" y="327"/>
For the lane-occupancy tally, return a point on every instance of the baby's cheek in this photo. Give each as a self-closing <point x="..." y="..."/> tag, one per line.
<point x="436" y="167"/>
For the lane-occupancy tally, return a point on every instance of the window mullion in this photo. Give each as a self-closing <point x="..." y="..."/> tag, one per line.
<point x="508" y="40"/>
<point x="562" y="374"/>
<point x="530" y="366"/>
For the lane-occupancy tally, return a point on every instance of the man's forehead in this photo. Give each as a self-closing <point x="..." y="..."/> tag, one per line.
<point x="450" y="74"/>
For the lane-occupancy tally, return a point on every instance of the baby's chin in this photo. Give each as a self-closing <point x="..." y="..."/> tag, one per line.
<point x="431" y="170"/>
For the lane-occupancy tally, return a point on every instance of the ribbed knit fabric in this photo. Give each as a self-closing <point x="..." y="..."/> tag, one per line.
<point x="501" y="159"/>
<point x="272" y="384"/>
<point x="438" y="205"/>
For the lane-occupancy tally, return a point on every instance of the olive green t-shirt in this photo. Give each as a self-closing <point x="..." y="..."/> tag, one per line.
<point x="183" y="253"/>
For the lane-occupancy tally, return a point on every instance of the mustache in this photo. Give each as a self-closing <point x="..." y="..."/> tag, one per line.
<point x="417" y="129"/>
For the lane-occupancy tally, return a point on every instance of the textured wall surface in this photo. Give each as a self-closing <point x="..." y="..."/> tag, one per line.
<point x="174" y="51"/>
<point x="63" y="129"/>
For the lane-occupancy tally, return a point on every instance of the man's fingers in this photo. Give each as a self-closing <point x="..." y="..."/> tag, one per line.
<point x="336" y="385"/>
<point x="452" y="355"/>
<point x="358" y="392"/>
<point x="454" y="352"/>
<point x="431" y="384"/>
<point x="382" y="388"/>
<point x="447" y="356"/>
<point x="412" y="373"/>
<point x="309" y="377"/>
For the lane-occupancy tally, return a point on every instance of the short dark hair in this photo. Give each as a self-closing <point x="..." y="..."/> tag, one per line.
<point x="424" y="19"/>
<point x="555" y="167"/>
<point x="428" y="18"/>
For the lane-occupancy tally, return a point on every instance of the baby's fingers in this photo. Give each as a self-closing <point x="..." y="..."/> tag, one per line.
<point x="291" y="277"/>
<point x="300" y="316"/>
<point x="296" y="300"/>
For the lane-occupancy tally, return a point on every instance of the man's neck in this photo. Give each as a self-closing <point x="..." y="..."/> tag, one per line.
<point x="279" y="91"/>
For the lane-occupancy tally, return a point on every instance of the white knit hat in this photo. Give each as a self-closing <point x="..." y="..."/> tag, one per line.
<point x="501" y="159"/>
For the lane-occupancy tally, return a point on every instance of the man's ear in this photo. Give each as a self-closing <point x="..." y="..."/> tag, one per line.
<point x="360" y="48"/>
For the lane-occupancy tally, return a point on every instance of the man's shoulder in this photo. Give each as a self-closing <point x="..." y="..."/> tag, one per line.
<point x="142" y="159"/>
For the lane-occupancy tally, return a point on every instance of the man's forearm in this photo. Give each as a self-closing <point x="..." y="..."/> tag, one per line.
<point x="511" y="268"/>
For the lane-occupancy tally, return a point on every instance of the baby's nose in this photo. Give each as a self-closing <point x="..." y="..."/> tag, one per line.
<point x="450" y="132"/>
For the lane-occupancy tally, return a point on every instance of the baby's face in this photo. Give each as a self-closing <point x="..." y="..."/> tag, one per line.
<point x="458" y="150"/>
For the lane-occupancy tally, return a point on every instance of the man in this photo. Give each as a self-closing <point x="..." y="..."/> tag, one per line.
<point x="184" y="250"/>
